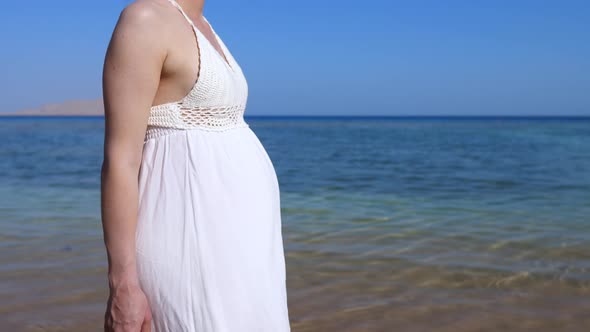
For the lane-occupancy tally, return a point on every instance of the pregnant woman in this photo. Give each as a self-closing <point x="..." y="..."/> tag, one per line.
<point x="190" y="198"/>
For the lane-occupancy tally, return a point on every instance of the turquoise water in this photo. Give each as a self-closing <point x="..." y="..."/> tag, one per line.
<point x="386" y="222"/>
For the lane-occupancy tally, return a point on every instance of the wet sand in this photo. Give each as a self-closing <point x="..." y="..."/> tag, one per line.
<point x="65" y="290"/>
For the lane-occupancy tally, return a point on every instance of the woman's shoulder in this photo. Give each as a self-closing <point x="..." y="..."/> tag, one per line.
<point x="144" y="20"/>
<point x="140" y="23"/>
<point x="148" y="12"/>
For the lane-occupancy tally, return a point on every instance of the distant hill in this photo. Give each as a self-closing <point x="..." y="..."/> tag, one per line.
<point x="67" y="108"/>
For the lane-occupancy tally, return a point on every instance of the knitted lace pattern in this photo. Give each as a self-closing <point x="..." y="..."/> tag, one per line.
<point x="217" y="100"/>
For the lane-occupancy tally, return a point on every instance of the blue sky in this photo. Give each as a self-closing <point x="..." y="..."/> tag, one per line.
<point x="327" y="57"/>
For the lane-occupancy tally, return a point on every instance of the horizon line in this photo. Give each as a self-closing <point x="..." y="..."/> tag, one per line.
<point x="7" y="116"/>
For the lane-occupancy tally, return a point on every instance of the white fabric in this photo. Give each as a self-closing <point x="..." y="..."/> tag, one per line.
<point x="209" y="244"/>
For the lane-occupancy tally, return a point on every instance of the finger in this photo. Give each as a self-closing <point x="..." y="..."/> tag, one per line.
<point x="107" y="324"/>
<point x="146" y="326"/>
<point x="147" y="321"/>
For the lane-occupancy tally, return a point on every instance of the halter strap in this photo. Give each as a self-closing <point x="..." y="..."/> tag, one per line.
<point x="223" y="54"/>
<point x="175" y="4"/>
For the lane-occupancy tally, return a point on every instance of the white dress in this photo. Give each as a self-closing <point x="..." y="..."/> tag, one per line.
<point x="209" y="244"/>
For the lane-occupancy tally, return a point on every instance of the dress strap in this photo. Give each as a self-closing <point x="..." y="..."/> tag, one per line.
<point x="196" y="33"/>
<point x="175" y="4"/>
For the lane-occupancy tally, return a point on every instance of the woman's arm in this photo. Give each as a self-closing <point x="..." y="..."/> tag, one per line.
<point x="131" y="75"/>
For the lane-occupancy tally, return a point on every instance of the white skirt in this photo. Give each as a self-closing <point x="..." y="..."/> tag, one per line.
<point x="209" y="244"/>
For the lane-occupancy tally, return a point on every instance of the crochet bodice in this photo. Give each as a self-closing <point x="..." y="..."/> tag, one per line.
<point x="217" y="100"/>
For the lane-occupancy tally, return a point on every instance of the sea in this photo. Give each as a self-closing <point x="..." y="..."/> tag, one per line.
<point x="389" y="223"/>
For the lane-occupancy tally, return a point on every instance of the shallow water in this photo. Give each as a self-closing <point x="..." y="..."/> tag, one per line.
<point x="405" y="224"/>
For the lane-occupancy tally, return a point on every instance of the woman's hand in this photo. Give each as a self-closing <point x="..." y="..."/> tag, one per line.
<point x="127" y="309"/>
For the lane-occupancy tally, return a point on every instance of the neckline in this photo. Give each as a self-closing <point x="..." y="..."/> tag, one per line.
<point x="223" y="55"/>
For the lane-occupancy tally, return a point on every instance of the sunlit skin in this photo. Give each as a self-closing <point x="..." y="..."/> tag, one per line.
<point x="152" y="59"/>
